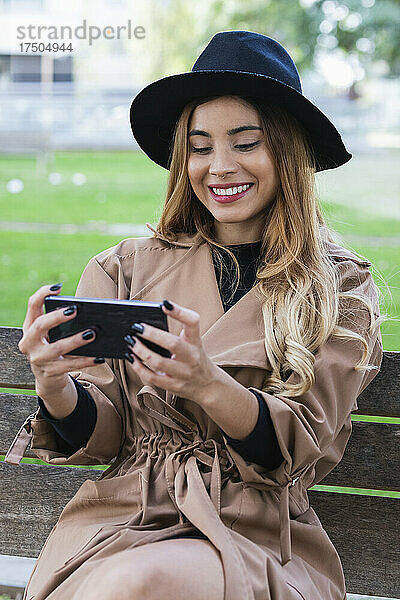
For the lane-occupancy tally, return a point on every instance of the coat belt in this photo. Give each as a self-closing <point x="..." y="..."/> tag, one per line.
<point x="21" y="441"/>
<point x="284" y="525"/>
<point x="179" y="482"/>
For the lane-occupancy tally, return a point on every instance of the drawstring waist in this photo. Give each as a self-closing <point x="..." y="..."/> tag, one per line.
<point x="186" y="486"/>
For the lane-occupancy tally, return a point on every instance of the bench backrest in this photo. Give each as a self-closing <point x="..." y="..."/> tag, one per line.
<point x="363" y="527"/>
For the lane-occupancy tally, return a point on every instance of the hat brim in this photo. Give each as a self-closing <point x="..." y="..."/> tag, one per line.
<point x="156" y="108"/>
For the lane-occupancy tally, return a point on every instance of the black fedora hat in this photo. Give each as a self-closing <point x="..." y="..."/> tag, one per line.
<point x="233" y="62"/>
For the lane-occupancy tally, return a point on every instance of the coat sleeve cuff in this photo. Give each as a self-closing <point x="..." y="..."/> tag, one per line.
<point x="77" y="427"/>
<point x="261" y="445"/>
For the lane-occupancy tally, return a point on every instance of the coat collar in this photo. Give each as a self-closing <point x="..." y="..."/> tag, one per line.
<point x="184" y="240"/>
<point x="232" y="338"/>
<point x="333" y="249"/>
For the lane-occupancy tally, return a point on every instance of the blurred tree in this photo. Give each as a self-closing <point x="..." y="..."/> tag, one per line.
<point x="367" y="32"/>
<point x="179" y="28"/>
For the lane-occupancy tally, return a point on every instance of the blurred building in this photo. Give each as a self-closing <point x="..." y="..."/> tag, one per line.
<point x="81" y="99"/>
<point x="64" y="99"/>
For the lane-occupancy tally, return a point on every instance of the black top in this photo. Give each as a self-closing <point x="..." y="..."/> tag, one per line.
<point x="260" y="446"/>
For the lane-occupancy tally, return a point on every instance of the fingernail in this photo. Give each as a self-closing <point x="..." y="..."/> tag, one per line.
<point x="99" y="360"/>
<point x="70" y="310"/>
<point x="167" y="305"/>
<point x="55" y="287"/>
<point x="88" y="334"/>
<point x="138" y="327"/>
<point x="129" y="340"/>
<point x="129" y="357"/>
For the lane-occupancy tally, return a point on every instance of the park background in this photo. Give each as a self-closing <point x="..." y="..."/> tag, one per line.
<point x="74" y="182"/>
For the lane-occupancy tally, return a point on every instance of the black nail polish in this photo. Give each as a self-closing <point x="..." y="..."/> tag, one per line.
<point x="129" y="340"/>
<point x="99" y="360"/>
<point x="138" y="327"/>
<point x="55" y="287"/>
<point x="70" y="310"/>
<point x="167" y="305"/>
<point x="129" y="357"/>
<point x="88" y="334"/>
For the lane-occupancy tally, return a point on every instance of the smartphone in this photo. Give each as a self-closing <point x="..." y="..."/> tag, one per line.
<point x="110" y="319"/>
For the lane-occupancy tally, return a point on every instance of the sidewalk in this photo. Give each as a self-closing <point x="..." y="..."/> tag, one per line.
<point x="128" y="229"/>
<point x="140" y="230"/>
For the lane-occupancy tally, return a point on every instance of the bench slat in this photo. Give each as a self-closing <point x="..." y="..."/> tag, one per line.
<point x="372" y="564"/>
<point x="382" y="397"/>
<point x="15" y="372"/>
<point x="365" y="532"/>
<point x="368" y="461"/>
<point x="14" y="409"/>
<point x="30" y="508"/>
<point x="371" y="458"/>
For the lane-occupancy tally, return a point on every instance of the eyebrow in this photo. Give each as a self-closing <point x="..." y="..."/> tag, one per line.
<point x="229" y="132"/>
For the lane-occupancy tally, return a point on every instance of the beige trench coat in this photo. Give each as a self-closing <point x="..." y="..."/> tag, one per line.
<point x="172" y="470"/>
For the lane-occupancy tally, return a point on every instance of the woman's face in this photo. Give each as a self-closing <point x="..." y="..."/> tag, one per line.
<point x="225" y="137"/>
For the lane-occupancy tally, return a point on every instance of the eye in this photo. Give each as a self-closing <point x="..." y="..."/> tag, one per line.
<point x="247" y="146"/>
<point x="199" y="150"/>
<point x="241" y="146"/>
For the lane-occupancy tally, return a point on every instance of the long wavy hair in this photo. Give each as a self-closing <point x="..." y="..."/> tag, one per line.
<point x="296" y="281"/>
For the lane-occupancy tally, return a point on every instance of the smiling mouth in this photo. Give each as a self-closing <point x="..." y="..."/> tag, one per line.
<point x="225" y="195"/>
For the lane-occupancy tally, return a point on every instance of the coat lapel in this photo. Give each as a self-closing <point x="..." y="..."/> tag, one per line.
<point x="232" y="338"/>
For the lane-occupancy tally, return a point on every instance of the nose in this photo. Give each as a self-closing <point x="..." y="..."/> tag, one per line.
<point x="221" y="164"/>
<point x="220" y="173"/>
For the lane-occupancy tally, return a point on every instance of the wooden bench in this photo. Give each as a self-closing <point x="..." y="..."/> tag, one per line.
<point x="364" y="528"/>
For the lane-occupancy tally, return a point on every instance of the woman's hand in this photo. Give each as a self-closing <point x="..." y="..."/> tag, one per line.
<point x="47" y="361"/>
<point x="189" y="371"/>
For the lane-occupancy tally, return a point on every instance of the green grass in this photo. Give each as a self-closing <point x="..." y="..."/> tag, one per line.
<point x="30" y="260"/>
<point x="348" y="222"/>
<point x="368" y="184"/>
<point x="358" y="491"/>
<point x="120" y="187"/>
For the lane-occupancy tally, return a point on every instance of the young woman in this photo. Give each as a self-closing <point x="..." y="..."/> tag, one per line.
<point x="273" y="331"/>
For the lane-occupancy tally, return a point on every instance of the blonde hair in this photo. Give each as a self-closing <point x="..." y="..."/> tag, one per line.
<point x="296" y="281"/>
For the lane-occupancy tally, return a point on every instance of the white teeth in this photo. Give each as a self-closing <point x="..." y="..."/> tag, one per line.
<point x="230" y="191"/>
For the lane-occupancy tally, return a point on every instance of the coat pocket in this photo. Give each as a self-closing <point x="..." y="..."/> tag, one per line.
<point x="103" y="499"/>
<point x="109" y="488"/>
<point x="79" y="537"/>
<point x="95" y="506"/>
